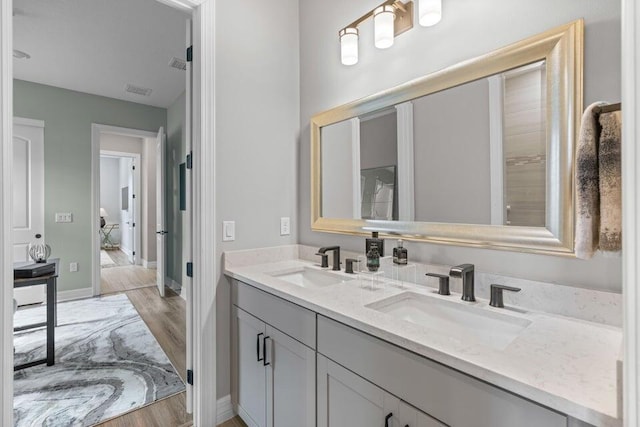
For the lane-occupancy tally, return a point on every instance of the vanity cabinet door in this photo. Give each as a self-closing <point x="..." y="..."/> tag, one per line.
<point x="252" y="390"/>
<point x="345" y="399"/>
<point x="291" y="381"/>
<point x="409" y="416"/>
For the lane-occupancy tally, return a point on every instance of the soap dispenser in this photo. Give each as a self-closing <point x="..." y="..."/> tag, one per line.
<point x="374" y="240"/>
<point x="400" y="255"/>
<point x="373" y="259"/>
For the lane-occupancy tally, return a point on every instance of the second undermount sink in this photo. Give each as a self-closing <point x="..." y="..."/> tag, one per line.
<point x="310" y="278"/>
<point x="460" y="321"/>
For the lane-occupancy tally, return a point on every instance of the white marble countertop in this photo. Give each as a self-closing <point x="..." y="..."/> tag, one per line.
<point x="565" y="364"/>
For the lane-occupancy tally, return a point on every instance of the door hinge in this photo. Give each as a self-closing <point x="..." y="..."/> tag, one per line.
<point x="189" y="377"/>
<point x="134" y="253"/>
<point x="190" y="54"/>
<point x="189" y="269"/>
<point x="133" y="196"/>
<point x="133" y="167"/>
<point x="190" y="160"/>
<point x="134" y="224"/>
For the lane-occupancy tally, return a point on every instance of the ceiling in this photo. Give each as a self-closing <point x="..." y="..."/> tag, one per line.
<point x="100" y="46"/>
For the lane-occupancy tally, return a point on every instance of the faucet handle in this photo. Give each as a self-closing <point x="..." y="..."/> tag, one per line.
<point x="349" y="267"/>
<point x="497" y="294"/>
<point x="443" y="283"/>
<point x="325" y="260"/>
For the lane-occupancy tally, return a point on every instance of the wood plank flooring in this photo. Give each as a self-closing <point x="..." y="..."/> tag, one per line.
<point x="233" y="422"/>
<point x="125" y="278"/>
<point x="166" y="318"/>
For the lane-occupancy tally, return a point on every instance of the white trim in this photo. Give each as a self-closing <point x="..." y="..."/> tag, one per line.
<point x="355" y="168"/>
<point x="405" y="192"/>
<point x="205" y="311"/>
<point x="187" y="215"/>
<point x="6" y="249"/>
<point x="225" y="409"/>
<point x="22" y="121"/>
<point x="205" y="256"/>
<point x="149" y="264"/>
<point x="74" y="294"/>
<point x="631" y="209"/>
<point x="496" y="153"/>
<point x="97" y="130"/>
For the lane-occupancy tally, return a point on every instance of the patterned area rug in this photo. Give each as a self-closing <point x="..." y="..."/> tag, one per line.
<point x="107" y="363"/>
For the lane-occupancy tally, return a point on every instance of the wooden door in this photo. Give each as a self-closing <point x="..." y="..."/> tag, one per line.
<point x="28" y="196"/>
<point x="161" y="229"/>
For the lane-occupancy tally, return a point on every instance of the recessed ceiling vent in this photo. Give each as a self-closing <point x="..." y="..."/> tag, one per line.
<point x="137" y="90"/>
<point x="178" y="63"/>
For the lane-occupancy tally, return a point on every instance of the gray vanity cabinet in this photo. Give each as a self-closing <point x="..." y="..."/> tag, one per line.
<point x="274" y="373"/>
<point x="345" y="399"/>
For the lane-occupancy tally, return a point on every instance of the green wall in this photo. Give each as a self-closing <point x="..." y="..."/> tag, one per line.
<point x="176" y="153"/>
<point x="68" y="116"/>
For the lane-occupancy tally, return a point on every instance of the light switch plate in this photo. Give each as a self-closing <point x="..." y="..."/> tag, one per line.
<point x="285" y="226"/>
<point x="228" y="231"/>
<point x="64" y="217"/>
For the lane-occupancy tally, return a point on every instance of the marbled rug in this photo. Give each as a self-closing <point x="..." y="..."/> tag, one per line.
<point x="107" y="363"/>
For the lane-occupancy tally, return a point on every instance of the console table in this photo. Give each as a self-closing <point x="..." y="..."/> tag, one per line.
<point x="50" y="281"/>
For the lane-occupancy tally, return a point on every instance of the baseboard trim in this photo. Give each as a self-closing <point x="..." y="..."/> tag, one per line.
<point x="150" y="264"/>
<point x="168" y="281"/>
<point x="224" y="409"/>
<point x="75" y="294"/>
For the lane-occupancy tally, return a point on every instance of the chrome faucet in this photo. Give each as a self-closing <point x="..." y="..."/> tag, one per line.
<point x="336" y="256"/>
<point x="467" y="272"/>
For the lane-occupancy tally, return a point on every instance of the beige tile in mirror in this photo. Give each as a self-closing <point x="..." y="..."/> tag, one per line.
<point x="478" y="154"/>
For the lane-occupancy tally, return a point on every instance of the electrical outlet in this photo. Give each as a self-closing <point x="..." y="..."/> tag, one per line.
<point x="228" y="231"/>
<point x="73" y="267"/>
<point x="285" y="226"/>
<point x="64" y="217"/>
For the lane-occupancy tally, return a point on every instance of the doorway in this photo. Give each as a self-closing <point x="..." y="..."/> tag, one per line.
<point x="122" y="207"/>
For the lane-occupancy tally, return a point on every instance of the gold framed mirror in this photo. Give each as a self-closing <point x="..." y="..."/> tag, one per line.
<point x="478" y="154"/>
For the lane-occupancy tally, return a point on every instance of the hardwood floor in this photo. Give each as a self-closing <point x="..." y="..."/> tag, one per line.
<point x="119" y="257"/>
<point x="234" y="422"/>
<point x="125" y="278"/>
<point x="166" y="318"/>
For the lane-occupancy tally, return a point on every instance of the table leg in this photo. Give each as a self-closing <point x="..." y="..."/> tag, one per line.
<point x="51" y="319"/>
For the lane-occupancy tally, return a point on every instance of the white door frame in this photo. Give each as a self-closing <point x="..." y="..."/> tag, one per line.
<point x="96" y="131"/>
<point x="205" y="269"/>
<point x="631" y="209"/>
<point x="137" y="211"/>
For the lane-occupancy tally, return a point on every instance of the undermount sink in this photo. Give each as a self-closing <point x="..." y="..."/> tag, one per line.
<point x="460" y="321"/>
<point x="310" y="278"/>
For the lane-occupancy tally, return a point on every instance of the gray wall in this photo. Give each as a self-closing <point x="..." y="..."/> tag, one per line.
<point x="468" y="29"/>
<point x="257" y="123"/>
<point x="67" y="150"/>
<point x="451" y="148"/>
<point x="379" y="141"/>
<point x="176" y="154"/>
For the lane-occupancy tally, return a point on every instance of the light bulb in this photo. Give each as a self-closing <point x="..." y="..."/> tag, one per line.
<point x="384" y="30"/>
<point x="430" y="12"/>
<point x="349" y="46"/>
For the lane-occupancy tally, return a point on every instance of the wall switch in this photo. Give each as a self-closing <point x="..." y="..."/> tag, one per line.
<point x="285" y="226"/>
<point x="73" y="267"/>
<point x="64" y="217"/>
<point x="228" y="231"/>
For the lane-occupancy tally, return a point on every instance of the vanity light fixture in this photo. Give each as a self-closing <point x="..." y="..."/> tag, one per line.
<point x="383" y="26"/>
<point x="349" y="46"/>
<point x="390" y="19"/>
<point x="429" y="12"/>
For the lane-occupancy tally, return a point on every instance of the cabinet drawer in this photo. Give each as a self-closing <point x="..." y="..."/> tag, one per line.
<point x="446" y="394"/>
<point x="290" y="318"/>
